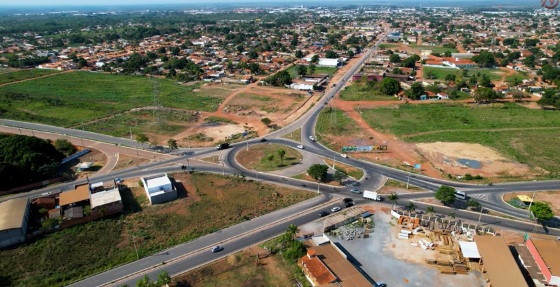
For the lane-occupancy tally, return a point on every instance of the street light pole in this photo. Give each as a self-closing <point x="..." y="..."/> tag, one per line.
<point x="407" y="180"/>
<point x="334" y="161"/>
<point x="247" y="145"/>
<point x="223" y="169"/>
<point x="530" y="204"/>
<point x="318" y="191"/>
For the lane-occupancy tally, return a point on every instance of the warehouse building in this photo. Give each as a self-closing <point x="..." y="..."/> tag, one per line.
<point x="499" y="266"/>
<point x="159" y="188"/>
<point x="546" y="253"/>
<point x="14" y="214"/>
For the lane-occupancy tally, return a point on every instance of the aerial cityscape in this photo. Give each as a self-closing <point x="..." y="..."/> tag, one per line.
<point x="286" y="143"/>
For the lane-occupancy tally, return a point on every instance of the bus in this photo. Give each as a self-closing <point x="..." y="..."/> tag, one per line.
<point x="460" y="195"/>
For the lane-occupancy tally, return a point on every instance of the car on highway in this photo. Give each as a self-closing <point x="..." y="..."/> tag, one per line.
<point x="300" y="146"/>
<point x="263" y="140"/>
<point x="323" y="213"/>
<point x="222" y="146"/>
<point x="356" y="191"/>
<point x="312" y="138"/>
<point x="118" y="180"/>
<point x="344" y="155"/>
<point x="217" y="249"/>
<point x="380" y="284"/>
<point x="349" y="204"/>
<point x="335" y="209"/>
<point x="347" y="199"/>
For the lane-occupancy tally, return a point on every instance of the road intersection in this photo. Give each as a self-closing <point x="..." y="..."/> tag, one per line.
<point x="189" y="255"/>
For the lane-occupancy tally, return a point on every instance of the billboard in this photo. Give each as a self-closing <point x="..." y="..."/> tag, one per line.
<point x="364" y="148"/>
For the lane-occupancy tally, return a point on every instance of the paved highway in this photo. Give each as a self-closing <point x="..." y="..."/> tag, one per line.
<point x="194" y="253"/>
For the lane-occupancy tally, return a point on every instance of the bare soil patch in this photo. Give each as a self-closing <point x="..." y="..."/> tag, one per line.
<point x="444" y="156"/>
<point x="126" y="161"/>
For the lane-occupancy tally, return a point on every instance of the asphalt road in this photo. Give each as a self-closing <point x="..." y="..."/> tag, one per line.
<point x="373" y="176"/>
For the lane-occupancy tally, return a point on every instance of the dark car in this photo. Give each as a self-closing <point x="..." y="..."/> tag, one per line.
<point x="348" y="204"/>
<point x="263" y="140"/>
<point x="348" y="199"/>
<point x="323" y="213"/>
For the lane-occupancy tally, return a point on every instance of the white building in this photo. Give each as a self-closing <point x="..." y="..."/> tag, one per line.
<point x="159" y="188"/>
<point x="326" y="62"/>
<point x="302" y="86"/>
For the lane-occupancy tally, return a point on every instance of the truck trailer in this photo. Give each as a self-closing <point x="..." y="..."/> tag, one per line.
<point x="372" y="195"/>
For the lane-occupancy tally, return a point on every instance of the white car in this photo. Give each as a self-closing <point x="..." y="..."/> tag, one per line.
<point x="335" y="209"/>
<point x="300" y="146"/>
<point x="344" y="155"/>
<point x="312" y="138"/>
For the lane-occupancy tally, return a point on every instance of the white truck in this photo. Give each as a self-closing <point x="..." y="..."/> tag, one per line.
<point x="372" y="195"/>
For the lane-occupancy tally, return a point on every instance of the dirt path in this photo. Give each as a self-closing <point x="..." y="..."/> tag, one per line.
<point x="29" y="79"/>
<point x="401" y="150"/>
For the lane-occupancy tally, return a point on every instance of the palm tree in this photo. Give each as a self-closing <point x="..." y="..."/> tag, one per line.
<point x="430" y="210"/>
<point x="270" y="158"/>
<point x="292" y="229"/>
<point x="393" y="197"/>
<point x="411" y="207"/>
<point x="281" y="153"/>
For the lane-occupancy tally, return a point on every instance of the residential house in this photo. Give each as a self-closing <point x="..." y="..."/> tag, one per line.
<point x="159" y="188"/>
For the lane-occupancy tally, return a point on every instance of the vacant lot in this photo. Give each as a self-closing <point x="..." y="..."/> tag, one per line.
<point x="210" y="203"/>
<point x="240" y="269"/>
<point x="528" y="136"/>
<point x="69" y="99"/>
<point x="440" y="73"/>
<point x="256" y="157"/>
<point x="362" y="92"/>
<point x="550" y="197"/>
<point x="151" y="122"/>
<point x="14" y="76"/>
<point x="333" y="124"/>
<point x="318" y="71"/>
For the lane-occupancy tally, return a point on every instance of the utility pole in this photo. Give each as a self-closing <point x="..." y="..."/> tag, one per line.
<point x="318" y="191"/>
<point x="530" y="204"/>
<point x="247" y="145"/>
<point x="223" y="169"/>
<point x="83" y="146"/>
<point x="334" y="161"/>
<point x="130" y="130"/>
<point x="407" y="180"/>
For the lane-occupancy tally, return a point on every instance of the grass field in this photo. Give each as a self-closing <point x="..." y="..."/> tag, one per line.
<point x="361" y="92"/>
<point x="334" y="122"/>
<point x="213" y="202"/>
<point x="385" y="46"/>
<point x="255" y="157"/>
<point x="440" y="73"/>
<point x="295" y="135"/>
<point x="526" y="135"/>
<point x="435" y="49"/>
<point x="318" y="70"/>
<point x="72" y="98"/>
<point x="166" y="122"/>
<point x="14" y="76"/>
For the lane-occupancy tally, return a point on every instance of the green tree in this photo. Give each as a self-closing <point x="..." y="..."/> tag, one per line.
<point x="315" y="59"/>
<point x="142" y="138"/>
<point x="415" y="91"/>
<point x="65" y="147"/>
<point x="331" y="54"/>
<point x="163" y="278"/>
<point x="445" y="194"/>
<point x="389" y="86"/>
<point x="394" y="58"/>
<point x="253" y="54"/>
<point x="542" y="211"/>
<point x="172" y="144"/>
<point x="410" y="207"/>
<point x="339" y="175"/>
<point x="485" y="59"/>
<point x="475" y="205"/>
<point x="311" y="69"/>
<point x="484" y="81"/>
<point x="318" y="171"/>
<point x="430" y="210"/>
<point x="550" y="98"/>
<point x="409" y="62"/>
<point x="299" y="54"/>
<point x="486" y="95"/>
<point x="301" y="70"/>
<point x="270" y="158"/>
<point x="281" y="153"/>
<point x="266" y="121"/>
<point x="393" y="197"/>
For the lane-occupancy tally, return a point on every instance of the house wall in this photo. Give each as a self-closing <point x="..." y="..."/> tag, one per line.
<point x="538" y="259"/>
<point x="11" y="236"/>
<point x="163" y="197"/>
